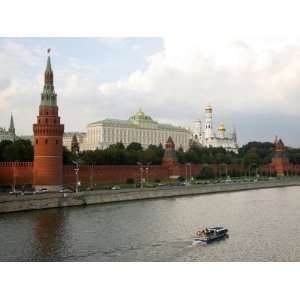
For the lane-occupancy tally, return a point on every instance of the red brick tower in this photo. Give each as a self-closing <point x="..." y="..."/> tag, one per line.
<point x="48" y="133"/>
<point x="280" y="161"/>
<point x="170" y="157"/>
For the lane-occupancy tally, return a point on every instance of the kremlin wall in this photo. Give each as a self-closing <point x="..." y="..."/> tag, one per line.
<point x="47" y="169"/>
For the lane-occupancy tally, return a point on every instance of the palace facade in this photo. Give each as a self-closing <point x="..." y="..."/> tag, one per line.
<point x="139" y="128"/>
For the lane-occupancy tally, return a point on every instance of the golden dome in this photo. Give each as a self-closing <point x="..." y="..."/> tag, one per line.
<point x="221" y="127"/>
<point x="140" y="113"/>
<point x="208" y="108"/>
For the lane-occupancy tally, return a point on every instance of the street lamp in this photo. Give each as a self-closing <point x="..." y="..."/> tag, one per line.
<point x="92" y="176"/>
<point x="14" y="176"/>
<point x="76" y="170"/>
<point x="147" y="171"/>
<point x="186" y="171"/>
<point x="141" y="174"/>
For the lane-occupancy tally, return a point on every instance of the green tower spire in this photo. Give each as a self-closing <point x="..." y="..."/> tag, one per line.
<point x="48" y="96"/>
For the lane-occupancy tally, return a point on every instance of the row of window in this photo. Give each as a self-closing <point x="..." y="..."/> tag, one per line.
<point x="45" y="140"/>
<point x="46" y="120"/>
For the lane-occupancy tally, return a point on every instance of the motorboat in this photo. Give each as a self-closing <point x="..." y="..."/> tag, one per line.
<point x="208" y="235"/>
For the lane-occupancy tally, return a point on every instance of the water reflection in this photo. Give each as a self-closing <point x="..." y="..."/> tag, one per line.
<point x="49" y="235"/>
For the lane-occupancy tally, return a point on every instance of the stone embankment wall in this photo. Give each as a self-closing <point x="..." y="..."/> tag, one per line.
<point x="22" y="203"/>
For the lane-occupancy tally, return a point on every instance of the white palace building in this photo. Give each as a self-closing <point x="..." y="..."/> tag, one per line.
<point x="139" y="128"/>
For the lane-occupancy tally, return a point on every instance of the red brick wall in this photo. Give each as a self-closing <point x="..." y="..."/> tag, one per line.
<point x="112" y="174"/>
<point x="117" y="174"/>
<point x="22" y="170"/>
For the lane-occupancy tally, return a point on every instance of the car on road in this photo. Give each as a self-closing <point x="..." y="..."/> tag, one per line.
<point x="115" y="187"/>
<point x="15" y="193"/>
<point x="41" y="191"/>
<point x="65" y="190"/>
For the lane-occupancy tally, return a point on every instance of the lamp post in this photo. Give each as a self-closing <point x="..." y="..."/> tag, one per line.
<point x="141" y="174"/>
<point x="92" y="176"/>
<point x="147" y="171"/>
<point x="14" y="176"/>
<point x="76" y="170"/>
<point x="186" y="171"/>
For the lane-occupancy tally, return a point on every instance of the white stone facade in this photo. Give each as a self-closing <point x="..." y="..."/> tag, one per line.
<point x="139" y="128"/>
<point x="68" y="136"/>
<point x="208" y="138"/>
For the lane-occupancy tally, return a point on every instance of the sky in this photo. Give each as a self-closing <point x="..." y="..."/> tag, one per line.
<point x="253" y="83"/>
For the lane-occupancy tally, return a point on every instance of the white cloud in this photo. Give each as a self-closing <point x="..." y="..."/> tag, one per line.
<point x="236" y="77"/>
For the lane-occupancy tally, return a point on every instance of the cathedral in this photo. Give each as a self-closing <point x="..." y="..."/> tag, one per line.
<point x="9" y="134"/>
<point x="206" y="137"/>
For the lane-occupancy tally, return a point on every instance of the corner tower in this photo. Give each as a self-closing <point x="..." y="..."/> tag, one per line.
<point x="48" y="134"/>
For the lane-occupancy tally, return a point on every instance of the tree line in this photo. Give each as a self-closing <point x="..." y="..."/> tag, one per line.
<point x="258" y="153"/>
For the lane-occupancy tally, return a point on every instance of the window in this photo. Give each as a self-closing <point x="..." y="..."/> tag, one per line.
<point x="46" y="120"/>
<point x="46" y="141"/>
<point x="36" y="141"/>
<point x="56" y="142"/>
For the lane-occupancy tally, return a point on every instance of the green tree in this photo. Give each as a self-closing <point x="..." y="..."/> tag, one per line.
<point x="134" y="146"/>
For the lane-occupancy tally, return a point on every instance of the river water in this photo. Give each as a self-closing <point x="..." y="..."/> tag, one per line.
<point x="264" y="225"/>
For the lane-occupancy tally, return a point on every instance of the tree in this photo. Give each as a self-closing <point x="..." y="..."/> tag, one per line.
<point x="19" y="150"/>
<point x="134" y="146"/>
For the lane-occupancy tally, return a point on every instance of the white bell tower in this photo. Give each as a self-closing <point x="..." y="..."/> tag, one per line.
<point x="208" y="122"/>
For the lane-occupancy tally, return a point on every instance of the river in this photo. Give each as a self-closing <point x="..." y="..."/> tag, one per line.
<point x="264" y="225"/>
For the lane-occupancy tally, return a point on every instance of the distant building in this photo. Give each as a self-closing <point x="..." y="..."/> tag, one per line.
<point x="9" y="134"/>
<point x="139" y="128"/>
<point x="206" y="137"/>
<point x="68" y="137"/>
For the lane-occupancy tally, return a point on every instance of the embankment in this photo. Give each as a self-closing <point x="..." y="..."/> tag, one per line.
<point x="9" y="203"/>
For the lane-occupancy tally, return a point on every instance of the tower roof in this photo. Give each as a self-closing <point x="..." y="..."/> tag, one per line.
<point x="170" y="140"/>
<point x="11" y="125"/>
<point x="48" y="97"/>
<point x="48" y="67"/>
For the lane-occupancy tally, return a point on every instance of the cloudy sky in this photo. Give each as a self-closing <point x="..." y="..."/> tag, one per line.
<point x="252" y="83"/>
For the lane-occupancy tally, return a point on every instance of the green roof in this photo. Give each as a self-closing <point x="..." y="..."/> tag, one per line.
<point x="130" y="123"/>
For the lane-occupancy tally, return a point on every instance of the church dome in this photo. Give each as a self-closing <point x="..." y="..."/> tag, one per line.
<point x="140" y="116"/>
<point x="221" y="127"/>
